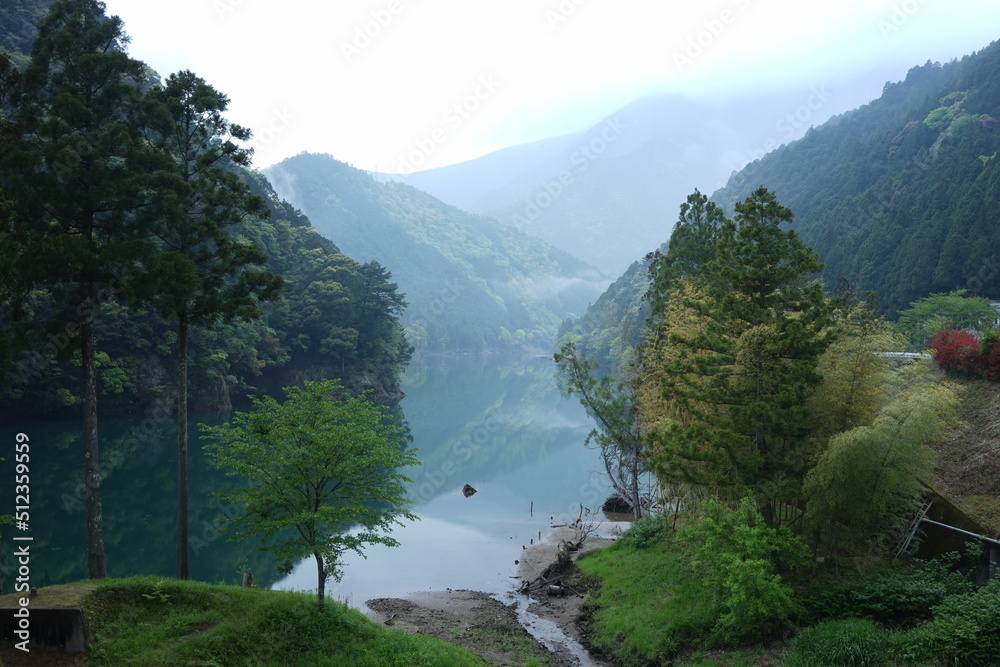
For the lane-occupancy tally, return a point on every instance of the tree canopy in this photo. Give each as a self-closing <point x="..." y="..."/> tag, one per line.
<point x="744" y="374"/>
<point x="322" y="474"/>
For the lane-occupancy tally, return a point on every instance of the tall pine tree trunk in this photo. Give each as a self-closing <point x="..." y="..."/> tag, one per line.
<point x="96" y="563"/>
<point x="183" y="571"/>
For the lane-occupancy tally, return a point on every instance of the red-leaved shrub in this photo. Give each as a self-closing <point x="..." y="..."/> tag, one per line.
<point x="958" y="351"/>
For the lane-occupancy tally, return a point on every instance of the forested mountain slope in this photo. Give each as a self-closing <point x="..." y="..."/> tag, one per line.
<point x="336" y="318"/>
<point x="901" y="196"/>
<point x="471" y="283"/>
<point x="17" y="26"/>
<point x="611" y="329"/>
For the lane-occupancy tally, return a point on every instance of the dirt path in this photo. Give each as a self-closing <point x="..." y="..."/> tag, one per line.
<point x="507" y="630"/>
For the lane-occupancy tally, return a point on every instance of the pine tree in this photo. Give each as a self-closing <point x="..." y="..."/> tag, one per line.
<point x="201" y="274"/>
<point x="746" y="377"/>
<point x="691" y="246"/>
<point x="85" y="174"/>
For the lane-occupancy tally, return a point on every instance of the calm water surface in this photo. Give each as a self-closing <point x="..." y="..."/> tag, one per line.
<point x="501" y="426"/>
<point x="497" y="424"/>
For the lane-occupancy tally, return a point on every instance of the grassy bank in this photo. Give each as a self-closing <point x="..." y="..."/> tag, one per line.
<point x="156" y="622"/>
<point x="649" y="606"/>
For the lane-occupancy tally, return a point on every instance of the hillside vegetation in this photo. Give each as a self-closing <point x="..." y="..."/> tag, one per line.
<point x="336" y="316"/>
<point x="472" y="284"/>
<point x="901" y="195"/>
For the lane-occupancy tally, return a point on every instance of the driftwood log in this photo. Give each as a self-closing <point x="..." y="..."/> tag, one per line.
<point x="554" y="579"/>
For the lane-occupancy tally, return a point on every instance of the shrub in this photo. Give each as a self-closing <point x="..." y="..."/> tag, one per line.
<point x="898" y="597"/>
<point x="965" y="631"/>
<point x="644" y="533"/>
<point x="852" y="642"/>
<point x="957" y="351"/>
<point x="738" y="557"/>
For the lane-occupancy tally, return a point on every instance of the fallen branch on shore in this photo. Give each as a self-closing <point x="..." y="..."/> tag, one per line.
<point x="554" y="579"/>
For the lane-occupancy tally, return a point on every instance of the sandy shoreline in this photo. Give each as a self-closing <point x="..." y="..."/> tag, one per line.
<point x="505" y="626"/>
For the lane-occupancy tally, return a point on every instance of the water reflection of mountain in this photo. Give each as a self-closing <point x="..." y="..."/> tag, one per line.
<point x="484" y="417"/>
<point x="484" y="420"/>
<point x="139" y="498"/>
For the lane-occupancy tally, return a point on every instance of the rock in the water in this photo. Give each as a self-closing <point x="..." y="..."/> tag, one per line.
<point x="467" y="490"/>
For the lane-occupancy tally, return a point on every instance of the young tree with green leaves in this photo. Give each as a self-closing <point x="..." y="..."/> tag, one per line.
<point x="928" y="315"/>
<point x="746" y="376"/>
<point x="740" y="560"/>
<point x="202" y="273"/>
<point x="315" y="466"/>
<point x="85" y="171"/>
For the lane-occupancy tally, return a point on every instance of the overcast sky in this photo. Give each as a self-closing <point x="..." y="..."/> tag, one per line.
<point x="377" y="82"/>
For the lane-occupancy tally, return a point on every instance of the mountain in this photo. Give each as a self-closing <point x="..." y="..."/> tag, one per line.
<point x="472" y="284"/>
<point x="899" y="196"/>
<point x="17" y="26"/>
<point x="612" y="328"/>
<point x="609" y="194"/>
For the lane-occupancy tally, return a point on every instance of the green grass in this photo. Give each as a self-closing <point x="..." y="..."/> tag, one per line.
<point x="155" y="622"/>
<point x="647" y="605"/>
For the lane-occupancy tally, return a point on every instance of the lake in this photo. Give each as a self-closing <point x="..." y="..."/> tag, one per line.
<point x="496" y="423"/>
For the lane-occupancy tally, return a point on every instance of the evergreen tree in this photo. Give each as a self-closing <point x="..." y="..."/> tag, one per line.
<point x="11" y="284"/>
<point x="202" y="273"/>
<point x="85" y="172"/>
<point x="691" y="246"/>
<point x="746" y="377"/>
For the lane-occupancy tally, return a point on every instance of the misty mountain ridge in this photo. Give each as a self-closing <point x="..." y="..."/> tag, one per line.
<point x="608" y="194"/>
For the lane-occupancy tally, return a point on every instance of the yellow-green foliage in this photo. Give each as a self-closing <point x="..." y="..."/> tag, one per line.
<point x="854" y="375"/>
<point x="870" y="476"/>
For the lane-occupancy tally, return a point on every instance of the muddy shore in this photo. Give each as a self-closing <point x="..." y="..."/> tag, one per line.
<point x="509" y="628"/>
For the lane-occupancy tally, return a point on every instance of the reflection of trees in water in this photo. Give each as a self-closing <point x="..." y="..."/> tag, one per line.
<point x="483" y="417"/>
<point x="139" y="492"/>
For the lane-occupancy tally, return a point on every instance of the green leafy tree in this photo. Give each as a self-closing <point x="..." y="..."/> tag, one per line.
<point x="316" y="465"/>
<point x="745" y="378"/>
<point x="854" y="372"/>
<point x="85" y="171"/>
<point x="202" y="273"/>
<point x="612" y="404"/>
<point x="928" y="315"/>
